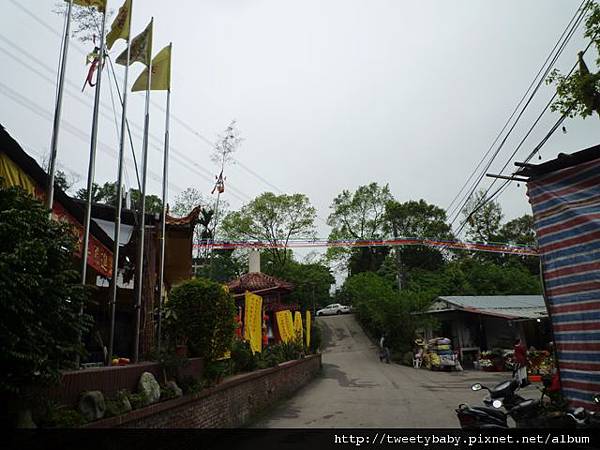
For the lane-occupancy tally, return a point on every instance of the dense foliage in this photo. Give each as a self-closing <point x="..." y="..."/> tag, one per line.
<point x="40" y="320"/>
<point x="579" y="92"/>
<point x="200" y="312"/>
<point x="271" y="218"/>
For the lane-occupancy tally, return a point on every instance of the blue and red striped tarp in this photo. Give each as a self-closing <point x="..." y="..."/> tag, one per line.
<point x="566" y="211"/>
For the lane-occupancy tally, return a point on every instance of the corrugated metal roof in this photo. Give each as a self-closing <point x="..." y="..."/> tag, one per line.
<point x="508" y="306"/>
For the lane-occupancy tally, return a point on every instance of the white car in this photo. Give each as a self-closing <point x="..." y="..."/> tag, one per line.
<point x="334" y="308"/>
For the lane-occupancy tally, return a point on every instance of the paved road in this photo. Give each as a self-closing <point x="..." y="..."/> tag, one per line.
<point x="356" y="390"/>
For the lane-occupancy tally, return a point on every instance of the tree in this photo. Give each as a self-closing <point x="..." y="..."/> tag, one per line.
<point x="417" y="219"/>
<point x="483" y="218"/>
<point x="359" y="215"/>
<point x="201" y="312"/>
<point x="383" y="310"/>
<point x="186" y="201"/>
<point x="275" y="219"/>
<point x="579" y="92"/>
<point x="61" y="181"/>
<point x="521" y="231"/>
<point x="40" y="320"/>
<point x="107" y="195"/>
<point x="86" y="20"/>
<point x="312" y="281"/>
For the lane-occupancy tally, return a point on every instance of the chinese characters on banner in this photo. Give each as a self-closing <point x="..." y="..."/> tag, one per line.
<point x="253" y="322"/>
<point x="285" y="324"/>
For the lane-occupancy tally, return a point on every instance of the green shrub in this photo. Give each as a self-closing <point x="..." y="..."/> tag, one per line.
<point x="191" y="385"/>
<point x="169" y="362"/>
<point x="201" y="313"/>
<point x="138" y="400"/>
<point x="41" y="296"/>
<point x="215" y="371"/>
<point x="242" y="357"/>
<point x="60" y="416"/>
<point x="115" y="406"/>
<point x="287" y="351"/>
<point x="167" y="393"/>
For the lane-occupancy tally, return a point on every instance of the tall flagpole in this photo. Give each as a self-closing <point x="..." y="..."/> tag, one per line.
<point x="58" y="111"/>
<point x="92" y="163"/>
<point x="164" y="204"/>
<point x="140" y="259"/>
<point x="115" y="265"/>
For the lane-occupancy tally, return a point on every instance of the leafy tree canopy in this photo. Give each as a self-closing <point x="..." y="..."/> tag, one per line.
<point x="272" y="218"/>
<point x="41" y="295"/>
<point x="359" y="215"/>
<point x="107" y="195"/>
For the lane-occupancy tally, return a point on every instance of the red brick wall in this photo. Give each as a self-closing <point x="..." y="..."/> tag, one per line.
<point x="228" y="405"/>
<point x="110" y="380"/>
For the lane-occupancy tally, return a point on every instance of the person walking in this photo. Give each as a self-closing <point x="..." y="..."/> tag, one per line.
<point x="520" y="357"/>
<point x="384" y="351"/>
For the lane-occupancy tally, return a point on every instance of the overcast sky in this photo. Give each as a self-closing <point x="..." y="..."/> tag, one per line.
<point x="328" y="94"/>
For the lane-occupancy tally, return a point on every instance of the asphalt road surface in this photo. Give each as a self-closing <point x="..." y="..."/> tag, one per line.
<point x="356" y="390"/>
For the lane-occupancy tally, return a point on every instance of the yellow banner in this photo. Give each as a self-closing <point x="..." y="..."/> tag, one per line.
<point x="140" y="48"/>
<point x="298" y="326"/>
<point x="13" y="175"/>
<point x="253" y="322"/>
<point x="308" y="324"/>
<point x="285" y="325"/>
<point x="120" y="26"/>
<point x="161" y="73"/>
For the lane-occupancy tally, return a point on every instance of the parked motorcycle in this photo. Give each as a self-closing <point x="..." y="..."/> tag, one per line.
<point x="504" y="391"/>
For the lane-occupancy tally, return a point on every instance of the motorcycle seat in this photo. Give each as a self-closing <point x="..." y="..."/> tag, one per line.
<point x="491" y="411"/>
<point x="524" y="406"/>
<point x="504" y="389"/>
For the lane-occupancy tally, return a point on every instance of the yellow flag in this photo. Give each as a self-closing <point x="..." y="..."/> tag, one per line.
<point x="161" y="73"/>
<point x="141" y="48"/>
<point x="98" y="4"/>
<point x="298" y="326"/>
<point x="285" y="325"/>
<point x="120" y="26"/>
<point x="308" y="325"/>
<point x="253" y="321"/>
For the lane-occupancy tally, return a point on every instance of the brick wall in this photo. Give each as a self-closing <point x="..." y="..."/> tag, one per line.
<point x="110" y="380"/>
<point x="228" y="405"/>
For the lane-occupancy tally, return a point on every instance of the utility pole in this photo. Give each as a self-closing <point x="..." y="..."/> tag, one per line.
<point x="398" y="260"/>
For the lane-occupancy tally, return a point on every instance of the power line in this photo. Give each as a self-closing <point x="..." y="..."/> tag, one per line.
<point x="532" y="154"/>
<point x="515" y="110"/>
<point x="574" y="23"/>
<point x="69" y="127"/>
<point x="186" y="160"/>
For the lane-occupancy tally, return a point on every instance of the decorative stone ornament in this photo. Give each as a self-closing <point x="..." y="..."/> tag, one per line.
<point x="92" y="405"/>
<point x="149" y="387"/>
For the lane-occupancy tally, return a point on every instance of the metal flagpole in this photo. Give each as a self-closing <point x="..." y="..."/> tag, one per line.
<point x="57" y="111"/>
<point x="164" y="211"/>
<point x="92" y="164"/>
<point x="115" y="265"/>
<point x="140" y="259"/>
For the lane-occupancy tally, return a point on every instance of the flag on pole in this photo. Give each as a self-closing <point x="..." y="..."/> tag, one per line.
<point x="120" y="27"/>
<point x="161" y="73"/>
<point x="100" y="5"/>
<point x="219" y="184"/>
<point x="140" y="48"/>
<point x="92" y="58"/>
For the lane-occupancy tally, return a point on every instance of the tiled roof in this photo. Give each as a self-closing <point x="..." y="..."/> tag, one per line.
<point x="258" y="281"/>
<point x="506" y="306"/>
<point x="190" y="219"/>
